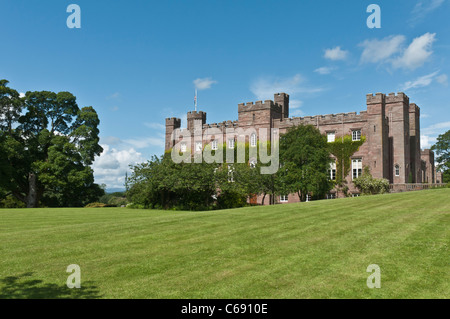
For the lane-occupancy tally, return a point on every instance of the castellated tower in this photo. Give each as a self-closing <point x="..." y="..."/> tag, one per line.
<point x="414" y="144"/>
<point x="172" y="123"/>
<point x="263" y="114"/>
<point x="397" y="112"/>
<point x="282" y="99"/>
<point x="195" y="118"/>
<point x="377" y="135"/>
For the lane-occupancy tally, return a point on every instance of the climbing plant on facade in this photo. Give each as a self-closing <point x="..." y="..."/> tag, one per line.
<point x="343" y="149"/>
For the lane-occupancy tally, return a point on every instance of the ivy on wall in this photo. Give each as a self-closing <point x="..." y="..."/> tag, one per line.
<point x="343" y="149"/>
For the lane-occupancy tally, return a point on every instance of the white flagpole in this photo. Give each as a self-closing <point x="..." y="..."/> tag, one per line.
<point x="196" y="100"/>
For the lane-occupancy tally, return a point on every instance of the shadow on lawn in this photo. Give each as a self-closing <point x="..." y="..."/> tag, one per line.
<point x="25" y="287"/>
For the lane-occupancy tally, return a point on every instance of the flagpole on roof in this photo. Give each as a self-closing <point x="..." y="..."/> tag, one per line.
<point x="195" y="100"/>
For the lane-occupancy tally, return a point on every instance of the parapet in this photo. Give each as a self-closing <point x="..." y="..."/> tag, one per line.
<point x="414" y="108"/>
<point x="196" y="115"/>
<point x="399" y="97"/>
<point x="378" y="98"/>
<point x="327" y="119"/>
<point x="223" y="124"/>
<point x="258" y="105"/>
<point x="173" y="121"/>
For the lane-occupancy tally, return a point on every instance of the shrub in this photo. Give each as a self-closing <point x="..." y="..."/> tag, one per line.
<point x="11" y="202"/>
<point x="135" y="206"/>
<point x="368" y="185"/>
<point x="95" y="205"/>
<point x="231" y="200"/>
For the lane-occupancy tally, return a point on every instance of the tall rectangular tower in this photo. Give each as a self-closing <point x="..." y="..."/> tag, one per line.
<point x="377" y="136"/>
<point x="397" y="111"/>
<point x="172" y="123"/>
<point x="414" y="137"/>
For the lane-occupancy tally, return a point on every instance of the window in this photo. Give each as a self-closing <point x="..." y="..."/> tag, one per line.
<point x="356" y="168"/>
<point x="331" y="136"/>
<point x="254" y="117"/>
<point x="355" y="195"/>
<point x="214" y="145"/>
<point x="332" y="171"/>
<point x="397" y="170"/>
<point x="253" y="140"/>
<point x="284" y="198"/>
<point x="183" y="147"/>
<point x="331" y="196"/>
<point x="231" y="143"/>
<point x="356" y="135"/>
<point x="198" y="146"/>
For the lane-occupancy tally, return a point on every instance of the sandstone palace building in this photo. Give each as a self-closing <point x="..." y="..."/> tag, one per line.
<point x="391" y="125"/>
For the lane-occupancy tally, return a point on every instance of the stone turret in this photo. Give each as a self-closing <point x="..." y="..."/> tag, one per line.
<point x="194" y="118"/>
<point x="172" y="124"/>
<point x="282" y="99"/>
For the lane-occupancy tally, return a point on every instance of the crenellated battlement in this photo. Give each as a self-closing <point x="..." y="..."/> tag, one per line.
<point x="414" y="108"/>
<point x="224" y="124"/>
<point x="196" y="114"/>
<point x="173" y="121"/>
<point x="395" y="98"/>
<point x="375" y="99"/>
<point x="259" y="105"/>
<point x="328" y="119"/>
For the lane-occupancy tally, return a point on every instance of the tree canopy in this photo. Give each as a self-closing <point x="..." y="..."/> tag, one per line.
<point x="47" y="146"/>
<point x="305" y="160"/>
<point x="442" y="149"/>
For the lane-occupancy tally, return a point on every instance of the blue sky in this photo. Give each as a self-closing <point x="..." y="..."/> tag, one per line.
<point x="138" y="62"/>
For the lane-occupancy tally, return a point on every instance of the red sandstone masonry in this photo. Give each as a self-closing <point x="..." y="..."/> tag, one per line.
<point x="391" y="126"/>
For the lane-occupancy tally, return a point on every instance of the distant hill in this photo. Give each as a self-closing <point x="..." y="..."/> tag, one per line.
<point x="114" y="190"/>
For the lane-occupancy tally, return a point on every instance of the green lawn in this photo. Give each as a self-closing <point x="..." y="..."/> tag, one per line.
<point x="309" y="250"/>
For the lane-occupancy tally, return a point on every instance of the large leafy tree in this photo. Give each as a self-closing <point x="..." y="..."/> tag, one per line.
<point x="305" y="159"/>
<point x="161" y="183"/>
<point x="48" y="144"/>
<point x="442" y="149"/>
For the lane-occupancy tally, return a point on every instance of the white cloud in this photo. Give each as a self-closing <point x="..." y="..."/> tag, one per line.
<point x="417" y="52"/>
<point x="111" y="140"/>
<point x="420" y="82"/>
<point x="296" y="113"/>
<point x="438" y="128"/>
<point x="294" y="108"/>
<point x="110" y="167"/>
<point x="422" y="9"/>
<point x="376" y="51"/>
<point x="21" y="94"/>
<point x="324" y="70"/>
<point x="265" y="87"/>
<point x="442" y="79"/>
<point x="144" y="142"/>
<point x="204" y="83"/>
<point x="155" y="126"/>
<point x="428" y="136"/>
<point x="426" y="141"/>
<point x="115" y="95"/>
<point x="336" y="54"/>
<point x="295" y="104"/>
